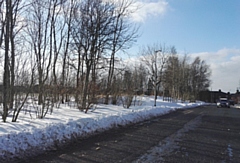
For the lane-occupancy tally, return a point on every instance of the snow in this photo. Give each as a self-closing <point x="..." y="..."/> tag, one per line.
<point x="33" y="135"/>
<point x="230" y="151"/>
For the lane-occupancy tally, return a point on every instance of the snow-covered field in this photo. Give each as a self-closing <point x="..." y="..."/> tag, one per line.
<point x="32" y="135"/>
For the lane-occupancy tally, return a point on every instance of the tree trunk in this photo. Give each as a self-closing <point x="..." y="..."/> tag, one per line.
<point x="6" y="77"/>
<point x="85" y="88"/>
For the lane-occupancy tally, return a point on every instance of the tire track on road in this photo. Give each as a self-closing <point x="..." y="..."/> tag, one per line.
<point x="170" y="143"/>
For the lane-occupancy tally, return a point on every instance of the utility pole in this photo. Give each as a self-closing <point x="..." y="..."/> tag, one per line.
<point x="156" y="78"/>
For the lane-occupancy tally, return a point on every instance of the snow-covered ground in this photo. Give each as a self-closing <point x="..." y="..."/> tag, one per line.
<point x="32" y="135"/>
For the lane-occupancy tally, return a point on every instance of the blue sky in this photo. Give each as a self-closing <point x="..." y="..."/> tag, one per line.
<point x="206" y="28"/>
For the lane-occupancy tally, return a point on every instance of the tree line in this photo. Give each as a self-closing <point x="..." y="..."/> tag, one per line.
<point x="174" y="75"/>
<point x="62" y="48"/>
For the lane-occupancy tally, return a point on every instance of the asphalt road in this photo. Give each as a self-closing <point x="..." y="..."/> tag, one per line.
<point x="203" y="134"/>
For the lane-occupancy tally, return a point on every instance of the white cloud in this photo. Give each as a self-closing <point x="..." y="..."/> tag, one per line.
<point x="148" y="8"/>
<point x="225" y="66"/>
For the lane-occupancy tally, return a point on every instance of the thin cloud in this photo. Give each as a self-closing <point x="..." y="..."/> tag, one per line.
<point x="147" y="8"/>
<point x="225" y="68"/>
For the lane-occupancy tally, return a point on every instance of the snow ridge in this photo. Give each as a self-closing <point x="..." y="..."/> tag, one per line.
<point x="33" y="141"/>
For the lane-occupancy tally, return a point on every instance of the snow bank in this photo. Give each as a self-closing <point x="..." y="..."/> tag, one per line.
<point x="31" y="135"/>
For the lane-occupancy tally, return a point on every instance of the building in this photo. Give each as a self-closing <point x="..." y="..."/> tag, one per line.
<point x="214" y="96"/>
<point x="236" y="97"/>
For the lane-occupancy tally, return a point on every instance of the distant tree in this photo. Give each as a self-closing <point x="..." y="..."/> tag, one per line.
<point x="141" y="78"/>
<point x="176" y="77"/>
<point x="200" y="74"/>
<point x="116" y="89"/>
<point x="128" y="84"/>
<point x="171" y="76"/>
<point x="184" y="80"/>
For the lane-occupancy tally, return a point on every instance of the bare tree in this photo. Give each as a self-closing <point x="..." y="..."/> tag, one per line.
<point x="9" y="32"/>
<point x="124" y="34"/>
<point x="39" y="33"/>
<point x="68" y="16"/>
<point x="2" y="27"/>
<point x="56" y="29"/>
<point x="155" y="59"/>
<point x="24" y="82"/>
<point x="39" y="37"/>
<point x="92" y="32"/>
<point x="2" y="22"/>
<point x="61" y="17"/>
<point x="6" y="76"/>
